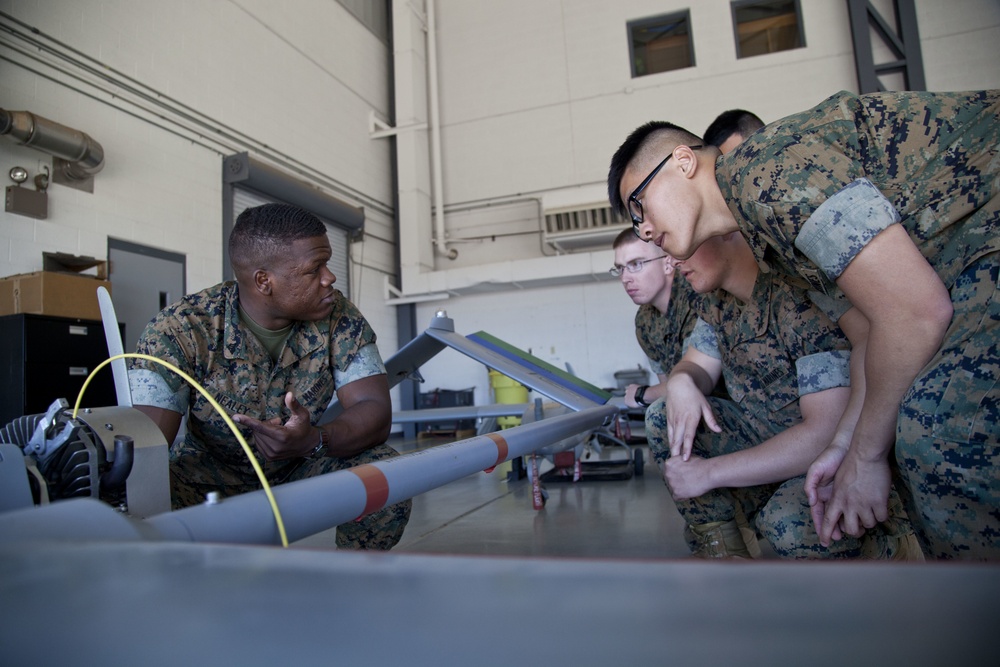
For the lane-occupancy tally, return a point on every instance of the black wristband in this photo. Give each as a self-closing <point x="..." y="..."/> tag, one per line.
<point x="640" y="395"/>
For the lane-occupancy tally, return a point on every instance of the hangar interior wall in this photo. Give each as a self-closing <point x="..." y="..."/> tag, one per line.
<point x="535" y="95"/>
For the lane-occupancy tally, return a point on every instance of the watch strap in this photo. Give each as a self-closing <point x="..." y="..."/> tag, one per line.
<point x="320" y="449"/>
<point x="640" y="395"/>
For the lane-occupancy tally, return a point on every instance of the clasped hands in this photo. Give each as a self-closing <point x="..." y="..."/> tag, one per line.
<point x="847" y="495"/>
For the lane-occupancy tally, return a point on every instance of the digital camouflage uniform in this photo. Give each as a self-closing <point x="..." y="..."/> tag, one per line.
<point x="812" y="189"/>
<point x="203" y="337"/>
<point x="773" y="350"/>
<point x="662" y="336"/>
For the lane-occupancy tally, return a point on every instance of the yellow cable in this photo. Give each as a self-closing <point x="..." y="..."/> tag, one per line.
<point x="218" y="408"/>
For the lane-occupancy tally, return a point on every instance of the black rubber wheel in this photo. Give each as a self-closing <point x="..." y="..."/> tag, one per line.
<point x="638" y="461"/>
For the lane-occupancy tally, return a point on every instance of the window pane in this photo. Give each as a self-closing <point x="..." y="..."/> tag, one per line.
<point x="661" y="44"/>
<point x="767" y="27"/>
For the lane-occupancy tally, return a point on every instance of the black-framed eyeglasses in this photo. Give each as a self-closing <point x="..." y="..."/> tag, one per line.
<point x="635" y="266"/>
<point x="634" y="204"/>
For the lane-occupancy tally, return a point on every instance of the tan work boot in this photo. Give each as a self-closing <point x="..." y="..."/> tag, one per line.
<point x="908" y="548"/>
<point x="719" y="539"/>
<point x="903" y="543"/>
<point x="748" y="533"/>
<point x="892" y="539"/>
<point x="880" y="544"/>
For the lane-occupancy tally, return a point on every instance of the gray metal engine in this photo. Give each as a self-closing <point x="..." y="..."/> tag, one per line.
<point x="93" y="456"/>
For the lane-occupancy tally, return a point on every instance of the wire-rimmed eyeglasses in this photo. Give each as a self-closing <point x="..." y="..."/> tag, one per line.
<point x="635" y="204"/>
<point x="635" y="266"/>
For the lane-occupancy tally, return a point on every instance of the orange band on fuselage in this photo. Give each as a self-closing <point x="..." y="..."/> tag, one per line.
<point x="501" y="447"/>
<point x="376" y="487"/>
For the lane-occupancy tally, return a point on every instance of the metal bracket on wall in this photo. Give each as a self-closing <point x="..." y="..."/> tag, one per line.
<point x="379" y="129"/>
<point x="395" y="297"/>
<point x="61" y="170"/>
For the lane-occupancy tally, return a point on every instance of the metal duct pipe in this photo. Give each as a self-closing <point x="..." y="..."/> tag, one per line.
<point x="437" y="170"/>
<point x="83" y="156"/>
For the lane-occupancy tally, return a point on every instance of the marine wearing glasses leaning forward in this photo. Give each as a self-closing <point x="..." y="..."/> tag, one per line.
<point x="666" y="312"/>
<point x="889" y="202"/>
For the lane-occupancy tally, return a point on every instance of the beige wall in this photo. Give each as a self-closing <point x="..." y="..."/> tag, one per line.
<point x="535" y="96"/>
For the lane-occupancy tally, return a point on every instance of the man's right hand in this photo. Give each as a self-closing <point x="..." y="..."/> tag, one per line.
<point x="686" y="408"/>
<point x="275" y="440"/>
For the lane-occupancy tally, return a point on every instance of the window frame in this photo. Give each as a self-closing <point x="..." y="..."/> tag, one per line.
<point x="630" y="26"/>
<point x="736" y="5"/>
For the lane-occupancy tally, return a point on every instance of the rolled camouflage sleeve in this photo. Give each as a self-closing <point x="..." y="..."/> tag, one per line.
<point x="366" y="363"/>
<point x="154" y="384"/>
<point x="823" y="370"/>
<point x="831" y="307"/>
<point x="843" y="225"/>
<point x="704" y="339"/>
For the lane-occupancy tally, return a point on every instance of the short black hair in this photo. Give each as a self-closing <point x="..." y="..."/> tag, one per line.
<point x="732" y="122"/>
<point x="625" y="236"/>
<point x="261" y="231"/>
<point x="632" y="147"/>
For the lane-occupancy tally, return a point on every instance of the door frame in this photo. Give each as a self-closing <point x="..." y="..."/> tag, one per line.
<point x="147" y="251"/>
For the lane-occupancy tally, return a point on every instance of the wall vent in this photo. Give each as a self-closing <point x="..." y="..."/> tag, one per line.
<point x="583" y="229"/>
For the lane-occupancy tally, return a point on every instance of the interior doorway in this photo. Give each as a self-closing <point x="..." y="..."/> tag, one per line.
<point x="144" y="280"/>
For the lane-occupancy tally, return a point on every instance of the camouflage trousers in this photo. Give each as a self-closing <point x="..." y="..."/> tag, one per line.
<point x="948" y="432"/>
<point x="194" y="473"/>
<point x="778" y="512"/>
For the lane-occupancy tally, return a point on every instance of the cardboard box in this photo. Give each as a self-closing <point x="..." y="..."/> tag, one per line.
<point x="51" y="293"/>
<point x="64" y="262"/>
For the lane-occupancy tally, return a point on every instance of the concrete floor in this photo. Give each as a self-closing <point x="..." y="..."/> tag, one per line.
<point x="484" y="514"/>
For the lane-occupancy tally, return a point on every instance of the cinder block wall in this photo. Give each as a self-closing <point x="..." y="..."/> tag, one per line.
<point x="299" y="78"/>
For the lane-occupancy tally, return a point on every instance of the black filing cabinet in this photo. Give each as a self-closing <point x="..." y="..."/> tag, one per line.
<point x="43" y="358"/>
